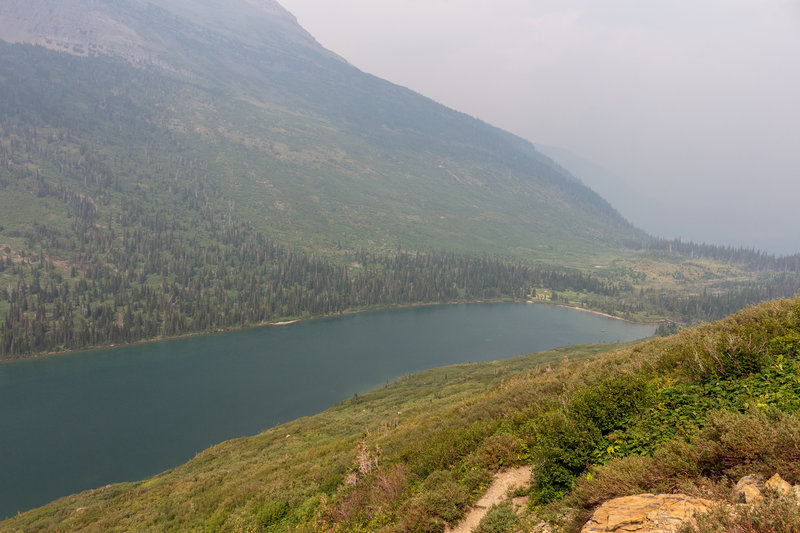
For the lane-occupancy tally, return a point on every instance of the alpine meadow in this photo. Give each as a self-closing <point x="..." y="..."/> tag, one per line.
<point x="184" y="167"/>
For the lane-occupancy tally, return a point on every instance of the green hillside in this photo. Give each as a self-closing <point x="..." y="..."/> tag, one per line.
<point x="690" y="413"/>
<point x="291" y="138"/>
<point x="166" y="169"/>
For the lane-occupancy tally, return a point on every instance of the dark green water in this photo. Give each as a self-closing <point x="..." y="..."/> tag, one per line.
<point x="84" y="420"/>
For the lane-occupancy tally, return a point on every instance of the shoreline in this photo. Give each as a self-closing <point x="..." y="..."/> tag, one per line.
<point x="297" y="320"/>
<point x="598" y="313"/>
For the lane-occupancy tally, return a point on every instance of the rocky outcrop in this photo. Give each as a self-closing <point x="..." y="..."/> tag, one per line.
<point x="777" y="484"/>
<point x="666" y="513"/>
<point x="748" y="490"/>
<point x="662" y="513"/>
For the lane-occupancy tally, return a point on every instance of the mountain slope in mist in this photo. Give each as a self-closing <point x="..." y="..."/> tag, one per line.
<point x="297" y="141"/>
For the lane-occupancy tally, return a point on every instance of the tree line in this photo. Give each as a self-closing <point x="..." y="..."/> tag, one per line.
<point x="245" y="280"/>
<point x="133" y="239"/>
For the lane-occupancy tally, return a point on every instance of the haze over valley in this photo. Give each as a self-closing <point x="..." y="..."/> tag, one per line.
<point x="692" y="107"/>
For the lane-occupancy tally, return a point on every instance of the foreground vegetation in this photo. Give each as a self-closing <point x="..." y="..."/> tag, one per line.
<point x="690" y="413"/>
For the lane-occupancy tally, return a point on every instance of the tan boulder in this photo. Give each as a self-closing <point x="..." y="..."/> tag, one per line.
<point x="646" y="513"/>
<point x="748" y="490"/>
<point x="779" y="485"/>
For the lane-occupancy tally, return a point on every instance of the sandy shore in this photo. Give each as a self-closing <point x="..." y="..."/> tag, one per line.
<point x="594" y="312"/>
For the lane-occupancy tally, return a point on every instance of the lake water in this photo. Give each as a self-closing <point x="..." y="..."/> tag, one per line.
<point x="83" y="420"/>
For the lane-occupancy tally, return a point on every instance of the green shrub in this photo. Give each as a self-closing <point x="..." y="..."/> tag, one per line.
<point x="330" y="478"/>
<point x="610" y="403"/>
<point x="730" y="446"/>
<point x="414" y="517"/>
<point x="499" y="519"/>
<point x="477" y="480"/>
<point x="563" y="451"/>
<point x="568" y="441"/>
<point x="444" y="497"/>
<point x="760" y="441"/>
<point x="674" y="464"/>
<point x="497" y="451"/>
<point x="272" y="512"/>
<point x="440" y="500"/>
<point x="787" y="345"/>
<point x="446" y="447"/>
<point x="307" y="508"/>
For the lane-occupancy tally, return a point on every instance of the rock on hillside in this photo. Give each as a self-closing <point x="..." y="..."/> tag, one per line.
<point x="666" y="513"/>
<point x="663" y="513"/>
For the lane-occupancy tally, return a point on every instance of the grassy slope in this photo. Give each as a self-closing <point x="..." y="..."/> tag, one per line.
<point x="427" y="445"/>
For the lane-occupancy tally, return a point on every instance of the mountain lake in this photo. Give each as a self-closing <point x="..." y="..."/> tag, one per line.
<point x="82" y="420"/>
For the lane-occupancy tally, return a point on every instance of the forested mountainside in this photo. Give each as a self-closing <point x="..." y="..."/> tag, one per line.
<point x="169" y="168"/>
<point x="300" y="143"/>
<point x="691" y="413"/>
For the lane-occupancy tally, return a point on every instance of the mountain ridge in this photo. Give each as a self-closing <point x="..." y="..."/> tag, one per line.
<point x="385" y="144"/>
<point x="134" y="30"/>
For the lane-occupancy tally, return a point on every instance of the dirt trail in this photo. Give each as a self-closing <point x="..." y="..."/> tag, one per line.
<point x="496" y="493"/>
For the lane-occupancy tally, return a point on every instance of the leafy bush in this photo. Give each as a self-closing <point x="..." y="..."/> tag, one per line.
<point x="497" y="451"/>
<point x="444" y="497"/>
<point x="499" y="519"/>
<point x="731" y="445"/>
<point x="272" y="512"/>
<point x="787" y="345"/>
<point x="757" y="442"/>
<point x="568" y="441"/>
<point x="440" y="500"/>
<point x="673" y="468"/>
<point x="477" y="480"/>
<point x="610" y="403"/>
<point x="563" y="451"/>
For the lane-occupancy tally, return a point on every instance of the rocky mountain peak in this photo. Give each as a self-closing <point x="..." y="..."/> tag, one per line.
<point x="162" y="32"/>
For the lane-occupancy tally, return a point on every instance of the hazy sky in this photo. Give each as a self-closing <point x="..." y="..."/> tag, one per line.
<point x="695" y="105"/>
